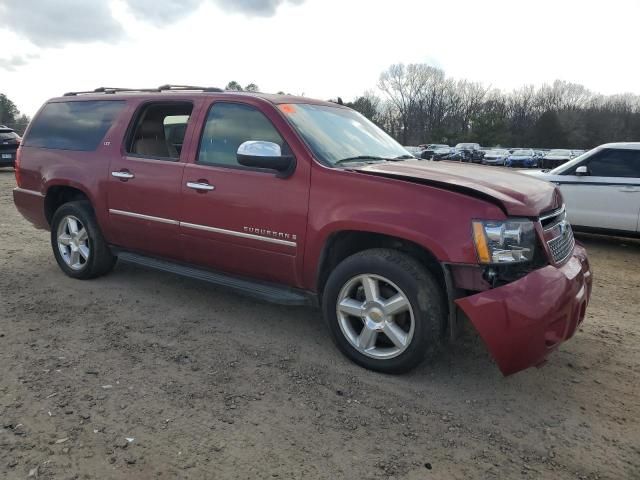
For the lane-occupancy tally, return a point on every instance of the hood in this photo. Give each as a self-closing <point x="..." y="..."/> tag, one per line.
<point x="516" y="194"/>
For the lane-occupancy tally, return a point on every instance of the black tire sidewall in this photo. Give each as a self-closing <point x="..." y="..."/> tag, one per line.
<point x="418" y="285"/>
<point x="97" y="261"/>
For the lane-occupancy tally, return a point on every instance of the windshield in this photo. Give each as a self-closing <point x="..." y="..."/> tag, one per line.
<point x="467" y="145"/>
<point x="523" y="153"/>
<point x="567" y="166"/>
<point x="336" y="133"/>
<point x="561" y="153"/>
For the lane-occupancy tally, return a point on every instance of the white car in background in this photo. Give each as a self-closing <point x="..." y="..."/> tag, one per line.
<point x="601" y="188"/>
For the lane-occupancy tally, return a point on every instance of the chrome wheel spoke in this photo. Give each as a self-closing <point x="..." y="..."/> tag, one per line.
<point x="397" y="336"/>
<point x="72" y="225"/>
<point x="396" y="304"/>
<point x="64" y="239"/>
<point x="367" y="338"/>
<point x="84" y="252"/>
<point x="371" y="288"/>
<point x="352" y="307"/>
<point x="74" y="257"/>
<point x="82" y="235"/>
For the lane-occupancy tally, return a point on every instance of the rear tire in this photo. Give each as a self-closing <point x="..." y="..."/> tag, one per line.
<point x="77" y="242"/>
<point x="385" y="310"/>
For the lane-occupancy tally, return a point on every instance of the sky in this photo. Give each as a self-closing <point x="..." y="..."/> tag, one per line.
<point x="318" y="48"/>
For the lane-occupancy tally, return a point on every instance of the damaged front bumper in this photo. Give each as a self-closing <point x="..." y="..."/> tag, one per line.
<point x="523" y="321"/>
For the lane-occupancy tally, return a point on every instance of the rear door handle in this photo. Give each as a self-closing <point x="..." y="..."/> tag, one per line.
<point x="630" y="189"/>
<point x="201" y="186"/>
<point x="123" y="175"/>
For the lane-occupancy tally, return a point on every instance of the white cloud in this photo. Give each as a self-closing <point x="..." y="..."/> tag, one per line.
<point x="329" y="48"/>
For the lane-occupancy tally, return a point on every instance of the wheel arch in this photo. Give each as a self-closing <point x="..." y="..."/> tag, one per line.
<point x="344" y="243"/>
<point x="58" y="195"/>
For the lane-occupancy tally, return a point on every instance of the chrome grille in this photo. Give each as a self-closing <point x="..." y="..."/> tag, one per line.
<point x="562" y="246"/>
<point x="559" y="235"/>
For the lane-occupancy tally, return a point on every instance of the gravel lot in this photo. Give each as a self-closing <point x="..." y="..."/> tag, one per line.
<point x="147" y="375"/>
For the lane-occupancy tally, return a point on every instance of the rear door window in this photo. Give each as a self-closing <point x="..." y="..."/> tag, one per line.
<point x="159" y="130"/>
<point x="76" y="125"/>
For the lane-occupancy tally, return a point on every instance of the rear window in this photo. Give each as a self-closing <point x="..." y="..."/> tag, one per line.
<point x="4" y="135"/>
<point x="73" y="125"/>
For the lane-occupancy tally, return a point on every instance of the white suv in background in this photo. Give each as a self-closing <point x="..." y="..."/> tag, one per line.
<point x="601" y="188"/>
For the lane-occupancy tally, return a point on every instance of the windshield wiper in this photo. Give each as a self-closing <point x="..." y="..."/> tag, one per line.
<point x="373" y="158"/>
<point x="361" y="158"/>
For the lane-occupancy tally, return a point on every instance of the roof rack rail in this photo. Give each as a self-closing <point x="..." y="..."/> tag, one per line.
<point x="161" y="88"/>
<point x="189" y="87"/>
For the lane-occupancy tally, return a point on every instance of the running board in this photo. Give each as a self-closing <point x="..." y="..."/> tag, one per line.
<point x="263" y="291"/>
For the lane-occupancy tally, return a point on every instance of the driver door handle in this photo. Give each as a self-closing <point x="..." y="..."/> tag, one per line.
<point x="204" y="187"/>
<point x="630" y="189"/>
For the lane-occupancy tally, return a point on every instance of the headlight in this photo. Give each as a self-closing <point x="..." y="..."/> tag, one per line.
<point x="511" y="241"/>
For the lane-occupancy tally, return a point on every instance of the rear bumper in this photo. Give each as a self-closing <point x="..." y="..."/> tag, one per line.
<point x="7" y="159"/>
<point x="30" y="204"/>
<point x="522" y="322"/>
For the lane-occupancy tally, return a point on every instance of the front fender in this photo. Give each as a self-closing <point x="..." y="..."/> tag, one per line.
<point x="436" y="219"/>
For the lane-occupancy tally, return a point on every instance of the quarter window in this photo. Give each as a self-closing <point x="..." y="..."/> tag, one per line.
<point x="76" y="125"/>
<point x="228" y="126"/>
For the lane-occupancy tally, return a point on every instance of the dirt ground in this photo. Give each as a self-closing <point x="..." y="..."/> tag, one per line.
<point x="143" y="375"/>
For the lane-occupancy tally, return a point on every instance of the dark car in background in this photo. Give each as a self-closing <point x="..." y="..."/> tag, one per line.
<point x="444" y="152"/>
<point x="496" y="156"/>
<point x="9" y="143"/>
<point x="523" y="158"/>
<point x="429" y="151"/>
<point x="470" y="152"/>
<point x="557" y="157"/>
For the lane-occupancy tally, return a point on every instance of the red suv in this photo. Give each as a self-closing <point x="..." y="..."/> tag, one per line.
<point x="299" y="201"/>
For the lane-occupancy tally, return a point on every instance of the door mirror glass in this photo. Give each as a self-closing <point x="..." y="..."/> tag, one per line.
<point x="582" y="170"/>
<point x="261" y="154"/>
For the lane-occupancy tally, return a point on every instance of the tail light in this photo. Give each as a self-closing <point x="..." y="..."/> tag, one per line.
<point x="16" y="167"/>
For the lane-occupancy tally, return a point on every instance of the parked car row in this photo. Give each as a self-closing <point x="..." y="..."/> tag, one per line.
<point x="509" y="157"/>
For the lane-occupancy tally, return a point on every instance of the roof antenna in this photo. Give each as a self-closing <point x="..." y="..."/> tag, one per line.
<point x="340" y="102"/>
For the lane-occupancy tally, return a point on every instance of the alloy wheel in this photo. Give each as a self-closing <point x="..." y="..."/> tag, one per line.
<point x="375" y="316"/>
<point x="73" y="242"/>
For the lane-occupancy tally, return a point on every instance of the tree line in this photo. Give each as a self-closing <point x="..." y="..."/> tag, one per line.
<point x="418" y="104"/>
<point x="10" y="116"/>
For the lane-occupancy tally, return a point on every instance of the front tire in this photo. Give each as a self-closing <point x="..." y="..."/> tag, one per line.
<point x="78" y="245"/>
<point x="385" y="311"/>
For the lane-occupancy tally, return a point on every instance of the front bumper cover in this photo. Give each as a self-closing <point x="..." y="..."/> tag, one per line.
<point x="522" y="322"/>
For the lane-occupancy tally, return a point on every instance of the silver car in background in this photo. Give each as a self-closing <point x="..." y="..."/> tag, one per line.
<point x="495" y="156"/>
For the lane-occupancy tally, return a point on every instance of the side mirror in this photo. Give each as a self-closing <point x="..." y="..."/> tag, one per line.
<point x="268" y="155"/>
<point x="582" y="170"/>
